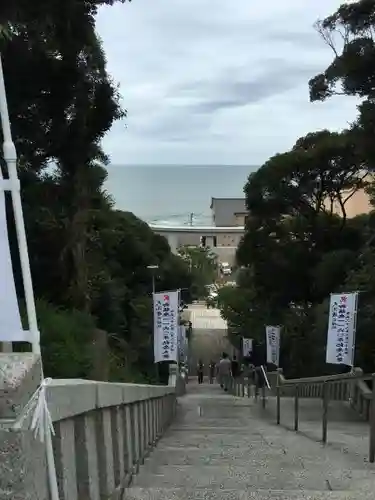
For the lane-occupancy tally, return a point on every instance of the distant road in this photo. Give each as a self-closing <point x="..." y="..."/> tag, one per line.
<point x="209" y="335"/>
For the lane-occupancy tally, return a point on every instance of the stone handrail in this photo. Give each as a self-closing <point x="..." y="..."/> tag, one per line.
<point x="103" y="431"/>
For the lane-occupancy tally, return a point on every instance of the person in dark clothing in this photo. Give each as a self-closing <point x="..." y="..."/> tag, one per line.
<point x="212" y="371"/>
<point x="235" y="367"/>
<point x="258" y="359"/>
<point x="200" y="369"/>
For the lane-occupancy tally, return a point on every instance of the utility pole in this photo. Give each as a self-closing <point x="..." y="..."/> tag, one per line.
<point x="191" y="217"/>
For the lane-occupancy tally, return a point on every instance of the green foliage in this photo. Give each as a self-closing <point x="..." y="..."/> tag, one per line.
<point x="299" y="244"/>
<point x="88" y="260"/>
<point x="352" y="71"/>
<point x="66" y="337"/>
<point x="203" y="269"/>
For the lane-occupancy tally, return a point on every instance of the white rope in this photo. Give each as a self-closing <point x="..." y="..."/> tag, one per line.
<point x="42" y="428"/>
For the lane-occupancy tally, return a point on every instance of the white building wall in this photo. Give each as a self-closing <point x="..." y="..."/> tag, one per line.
<point x="172" y="239"/>
<point x="226" y="243"/>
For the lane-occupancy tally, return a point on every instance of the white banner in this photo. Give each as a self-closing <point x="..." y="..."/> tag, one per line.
<point x="247" y="347"/>
<point x="166" y="326"/>
<point x="341" y="328"/>
<point x="10" y="322"/>
<point x="181" y="342"/>
<point x="273" y="344"/>
<point x="186" y="349"/>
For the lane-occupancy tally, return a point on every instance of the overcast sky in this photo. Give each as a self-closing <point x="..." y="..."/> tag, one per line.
<point x="216" y="81"/>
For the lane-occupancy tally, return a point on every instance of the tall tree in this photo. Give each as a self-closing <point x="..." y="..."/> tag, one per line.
<point x="349" y="32"/>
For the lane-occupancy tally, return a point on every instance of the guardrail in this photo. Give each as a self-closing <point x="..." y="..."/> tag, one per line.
<point x="246" y="386"/>
<point x="350" y="388"/>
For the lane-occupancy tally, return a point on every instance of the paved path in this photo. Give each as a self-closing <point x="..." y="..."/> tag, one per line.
<point x="209" y="336"/>
<point x="224" y="448"/>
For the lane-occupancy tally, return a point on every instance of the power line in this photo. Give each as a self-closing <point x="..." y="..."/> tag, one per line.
<point x="190" y="218"/>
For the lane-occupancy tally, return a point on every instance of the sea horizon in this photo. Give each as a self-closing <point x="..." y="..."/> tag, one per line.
<point x="169" y="193"/>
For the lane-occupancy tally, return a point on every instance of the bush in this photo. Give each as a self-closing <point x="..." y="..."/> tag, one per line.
<point x="65" y="341"/>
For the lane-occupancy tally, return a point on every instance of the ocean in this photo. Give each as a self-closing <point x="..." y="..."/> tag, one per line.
<point x="168" y="194"/>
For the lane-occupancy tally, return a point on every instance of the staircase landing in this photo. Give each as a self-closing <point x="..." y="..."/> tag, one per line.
<point x="225" y="448"/>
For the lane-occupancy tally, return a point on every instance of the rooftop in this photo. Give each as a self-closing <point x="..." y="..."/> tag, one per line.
<point x="240" y="202"/>
<point x="197" y="229"/>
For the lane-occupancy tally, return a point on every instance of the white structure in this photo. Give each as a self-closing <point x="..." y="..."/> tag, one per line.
<point x="223" y="241"/>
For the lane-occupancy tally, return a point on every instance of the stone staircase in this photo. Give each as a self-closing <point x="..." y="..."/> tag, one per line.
<point x="227" y="448"/>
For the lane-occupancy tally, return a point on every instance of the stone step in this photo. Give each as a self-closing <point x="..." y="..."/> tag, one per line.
<point x="253" y="458"/>
<point x="214" y="440"/>
<point x="204" y="423"/>
<point x="218" y="425"/>
<point x="229" y="477"/>
<point x="136" y="493"/>
<point x="287" y="441"/>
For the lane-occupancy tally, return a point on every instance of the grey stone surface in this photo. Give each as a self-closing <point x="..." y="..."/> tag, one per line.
<point x="225" y="447"/>
<point x="22" y="467"/>
<point x="22" y="459"/>
<point x="20" y="375"/>
<point x="221" y="494"/>
<point x="70" y="397"/>
<point x="209" y="338"/>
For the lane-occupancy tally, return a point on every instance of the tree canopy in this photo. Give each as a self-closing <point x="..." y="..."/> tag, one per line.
<point x="300" y="244"/>
<point x="203" y="268"/>
<point x="88" y="260"/>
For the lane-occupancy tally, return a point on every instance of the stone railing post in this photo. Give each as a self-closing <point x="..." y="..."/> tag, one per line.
<point x="87" y="467"/>
<point x="22" y="457"/>
<point x="352" y="396"/>
<point x="129" y="439"/>
<point x="119" y="444"/>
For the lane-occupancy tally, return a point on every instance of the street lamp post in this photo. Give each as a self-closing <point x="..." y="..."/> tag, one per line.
<point x="153" y="269"/>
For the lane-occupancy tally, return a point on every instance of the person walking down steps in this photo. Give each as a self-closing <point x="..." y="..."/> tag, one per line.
<point x="235" y="367"/>
<point x="200" y="370"/>
<point x="224" y="372"/>
<point x="212" y="369"/>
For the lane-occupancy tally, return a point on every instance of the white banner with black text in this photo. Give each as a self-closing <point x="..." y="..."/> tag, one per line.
<point x="181" y="342"/>
<point x="166" y="325"/>
<point x="341" y="328"/>
<point x="273" y="344"/>
<point x="247" y="347"/>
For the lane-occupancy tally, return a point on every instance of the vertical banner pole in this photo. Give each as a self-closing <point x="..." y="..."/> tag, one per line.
<point x="10" y="157"/>
<point x="178" y="327"/>
<point x="157" y="372"/>
<point x="354" y="328"/>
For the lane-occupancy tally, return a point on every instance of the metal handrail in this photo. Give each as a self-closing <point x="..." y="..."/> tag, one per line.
<point x="324" y="382"/>
<point x="353" y="389"/>
<point x="324" y="379"/>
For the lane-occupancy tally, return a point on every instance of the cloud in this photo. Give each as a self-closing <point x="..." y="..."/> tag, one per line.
<point x="229" y="92"/>
<point x="207" y="81"/>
